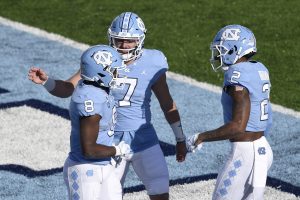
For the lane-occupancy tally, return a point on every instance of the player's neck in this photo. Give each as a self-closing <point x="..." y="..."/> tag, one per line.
<point x="242" y="59"/>
<point x="93" y="83"/>
<point x="129" y="62"/>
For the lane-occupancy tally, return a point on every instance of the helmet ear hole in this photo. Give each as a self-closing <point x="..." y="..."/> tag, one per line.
<point x="115" y="73"/>
<point x="235" y="48"/>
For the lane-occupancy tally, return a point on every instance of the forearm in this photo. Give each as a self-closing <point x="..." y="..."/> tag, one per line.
<point x="173" y="118"/>
<point x="98" y="151"/>
<point x="225" y="132"/>
<point x="172" y="114"/>
<point x="62" y="89"/>
<point x="240" y="117"/>
<point x="168" y="106"/>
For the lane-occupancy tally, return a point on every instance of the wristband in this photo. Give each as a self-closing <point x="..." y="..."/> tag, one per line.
<point x="118" y="151"/>
<point x="177" y="130"/>
<point x="49" y="84"/>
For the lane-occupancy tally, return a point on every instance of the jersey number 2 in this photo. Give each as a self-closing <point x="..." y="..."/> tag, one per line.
<point x="264" y="104"/>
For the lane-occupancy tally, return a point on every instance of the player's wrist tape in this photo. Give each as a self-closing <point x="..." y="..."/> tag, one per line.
<point x="177" y="130"/>
<point x="49" y="84"/>
<point x="118" y="151"/>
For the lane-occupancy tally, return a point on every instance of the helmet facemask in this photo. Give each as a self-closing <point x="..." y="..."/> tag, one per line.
<point x="132" y="53"/>
<point x="217" y="55"/>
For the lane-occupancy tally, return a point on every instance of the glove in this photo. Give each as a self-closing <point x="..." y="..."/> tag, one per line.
<point x="123" y="149"/>
<point x="190" y="144"/>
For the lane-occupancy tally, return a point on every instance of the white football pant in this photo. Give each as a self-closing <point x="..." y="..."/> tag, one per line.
<point x="91" y="182"/>
<point x="244" y="174"/>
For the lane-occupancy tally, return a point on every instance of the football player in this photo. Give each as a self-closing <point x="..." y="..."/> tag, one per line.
<point x="247" y="116"/>
<point x="144" y="73"/>
<point x="88" y="170"/>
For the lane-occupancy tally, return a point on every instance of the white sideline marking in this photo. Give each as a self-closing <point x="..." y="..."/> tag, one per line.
<point x="178" y="77"/>
<point x="29" y="141"/>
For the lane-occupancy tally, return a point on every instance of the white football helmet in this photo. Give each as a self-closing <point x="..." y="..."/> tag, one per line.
<point x="230" y="44"/>
<point x="127" y="26"/>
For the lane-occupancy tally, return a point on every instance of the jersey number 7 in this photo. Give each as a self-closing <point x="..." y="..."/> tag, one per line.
<point x="132" y="82"/>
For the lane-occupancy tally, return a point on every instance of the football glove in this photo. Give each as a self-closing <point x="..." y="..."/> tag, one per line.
<point x="190" y="144"/>
<point x="122" y="149"/>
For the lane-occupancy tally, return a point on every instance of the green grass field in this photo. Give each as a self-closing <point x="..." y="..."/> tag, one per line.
<point x="183" y="30"/>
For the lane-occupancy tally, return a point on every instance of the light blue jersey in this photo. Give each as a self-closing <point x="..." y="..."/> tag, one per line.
<point x="88" y="100"/>
<point x="133" y="99"/>
<point x="255" y="77"/>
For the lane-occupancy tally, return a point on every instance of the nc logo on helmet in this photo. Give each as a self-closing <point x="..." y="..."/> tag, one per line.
<point x="231" y="34"/>
<point x="103" y="57"/>
<point x="141" y="24"/>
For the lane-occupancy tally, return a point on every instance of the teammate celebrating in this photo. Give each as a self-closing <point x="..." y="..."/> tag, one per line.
<point x="145" y="71"/>
<point x="88" y="172"/>
<point x="247" y="113"/>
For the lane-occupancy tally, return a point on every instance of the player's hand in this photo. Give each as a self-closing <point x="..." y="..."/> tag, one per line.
<point x="123" y="149"/>
<point x="181" y="151"/>
<point x="191" y="143"/>
<point x="37" y="75"/>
